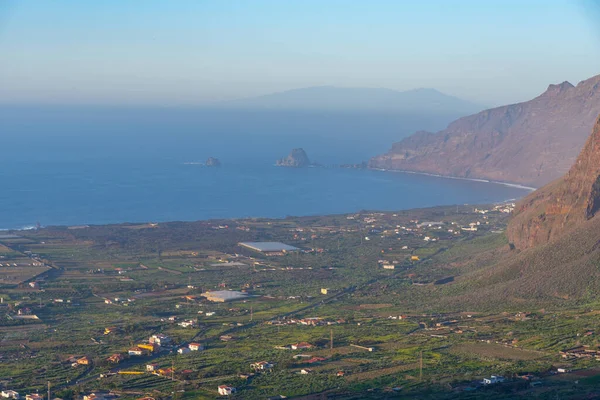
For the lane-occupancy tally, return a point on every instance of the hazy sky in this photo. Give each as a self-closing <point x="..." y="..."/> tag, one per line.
<point x="190" y="52"/>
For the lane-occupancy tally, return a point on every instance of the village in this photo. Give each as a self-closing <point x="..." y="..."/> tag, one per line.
<point x="228" y="308"/>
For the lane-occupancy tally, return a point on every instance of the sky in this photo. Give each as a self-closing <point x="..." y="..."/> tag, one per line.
<point x="193" y="52"/>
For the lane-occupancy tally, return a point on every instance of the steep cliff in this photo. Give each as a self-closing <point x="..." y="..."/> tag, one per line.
<point x="563" y="205"/>
<point x="529" y="143"/>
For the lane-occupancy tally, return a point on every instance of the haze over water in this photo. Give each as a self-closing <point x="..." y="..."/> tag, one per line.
<point x="97" y="166"/>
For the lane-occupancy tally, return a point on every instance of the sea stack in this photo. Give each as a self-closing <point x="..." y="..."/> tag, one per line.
<point x="213" y="162"/>
<point x="296" y="159"/>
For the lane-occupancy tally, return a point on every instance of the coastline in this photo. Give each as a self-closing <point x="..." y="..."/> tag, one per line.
<point x="309" y="206"/>
<point x="514" y="185"/>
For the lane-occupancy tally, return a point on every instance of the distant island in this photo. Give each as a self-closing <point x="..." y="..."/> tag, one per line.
<point x="213" y="162"/>
<point x="296" y="159"/>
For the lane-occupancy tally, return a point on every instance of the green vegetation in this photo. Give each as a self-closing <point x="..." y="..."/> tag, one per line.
<point x="141" y="280"/>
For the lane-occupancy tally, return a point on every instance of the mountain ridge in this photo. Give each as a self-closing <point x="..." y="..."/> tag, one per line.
<point x="358" y="98"/>
<point x="529" y="143"/>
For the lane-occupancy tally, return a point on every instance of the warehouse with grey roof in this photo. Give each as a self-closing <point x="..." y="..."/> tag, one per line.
<point x="270" y="248"/>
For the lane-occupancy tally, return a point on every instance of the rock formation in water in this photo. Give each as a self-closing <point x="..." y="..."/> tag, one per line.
<point x="296" y="159"/>
<point x="213" y="162"/>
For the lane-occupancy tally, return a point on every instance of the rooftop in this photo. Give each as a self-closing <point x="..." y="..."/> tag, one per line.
<point x="268" y="246"/>
<point x="225" y="295"/>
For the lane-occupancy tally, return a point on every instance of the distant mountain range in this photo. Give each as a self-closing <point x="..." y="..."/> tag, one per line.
<point x="530" y="143"/>
<point x="332" y="98"/>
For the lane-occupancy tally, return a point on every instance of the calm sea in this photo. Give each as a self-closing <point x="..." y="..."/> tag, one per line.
<point x="94" y="166"/>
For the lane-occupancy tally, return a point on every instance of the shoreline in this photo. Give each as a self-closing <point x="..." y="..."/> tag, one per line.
<point x="514" y="185"/>
<point x="26" y="226"/>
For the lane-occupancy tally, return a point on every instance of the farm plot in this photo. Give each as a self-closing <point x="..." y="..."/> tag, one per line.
<point x="496" y="351"/>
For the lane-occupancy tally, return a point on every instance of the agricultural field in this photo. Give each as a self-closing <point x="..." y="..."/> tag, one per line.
<point x="330" y="319"/>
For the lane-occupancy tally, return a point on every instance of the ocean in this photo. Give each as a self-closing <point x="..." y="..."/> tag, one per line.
<point x="86" y="165"/>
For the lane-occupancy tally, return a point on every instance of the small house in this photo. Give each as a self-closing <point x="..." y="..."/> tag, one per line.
<point x="187" y="323"/>
<point x="151" y="347"/>
<point x="261" y="366"/>
<point x="301" y="346"/>
<point x="225" y="390"/>
<point x="10" y="394"/>
<point x="115" y="358"/>
<point x="110" y="329"/>
<point x="493" y="379"/>
<point x="151" y="367"/>
<point x="183" y="350"/>
<point x="100" y="396"/>
<point x="196" y="347"/>
<point x="166" y="371"/>
<point x="160" y="339"/>
<point x="136" y="351"/>
<point x="83" y="361"/>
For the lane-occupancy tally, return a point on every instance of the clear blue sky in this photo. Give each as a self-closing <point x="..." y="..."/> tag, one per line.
<point x="191" y="52"/>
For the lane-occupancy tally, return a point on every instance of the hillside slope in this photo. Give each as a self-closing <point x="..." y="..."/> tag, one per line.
<point x="555" y="257"/>
<point x="530" y="143"/>
<point x="563" y="205"/>
<point x="556" y="233"/>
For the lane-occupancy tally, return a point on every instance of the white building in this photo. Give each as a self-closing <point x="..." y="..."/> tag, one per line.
<point x="261" y="366"/>
<point x="187" y="323"/>
<point x="493" y="379"/>
<point x="10" y="394"/>
<point x="160" y="339"/>
<point x="183" y="350"/>
<point x="151" y="367"/>
<point x="135" y="352"/>
<point x="225" y="390"/>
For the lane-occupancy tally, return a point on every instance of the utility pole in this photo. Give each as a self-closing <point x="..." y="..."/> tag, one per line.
<point x="421" y="366"/>
<point x="173" y="370"/>
<point x="49" y="390"/>
<point x="251" y="313"/>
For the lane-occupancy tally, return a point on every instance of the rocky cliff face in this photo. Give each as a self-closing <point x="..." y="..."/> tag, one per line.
<point x="530" y="143"/>
<point x="296" y="159"/>
<point x="563" y="205"/>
